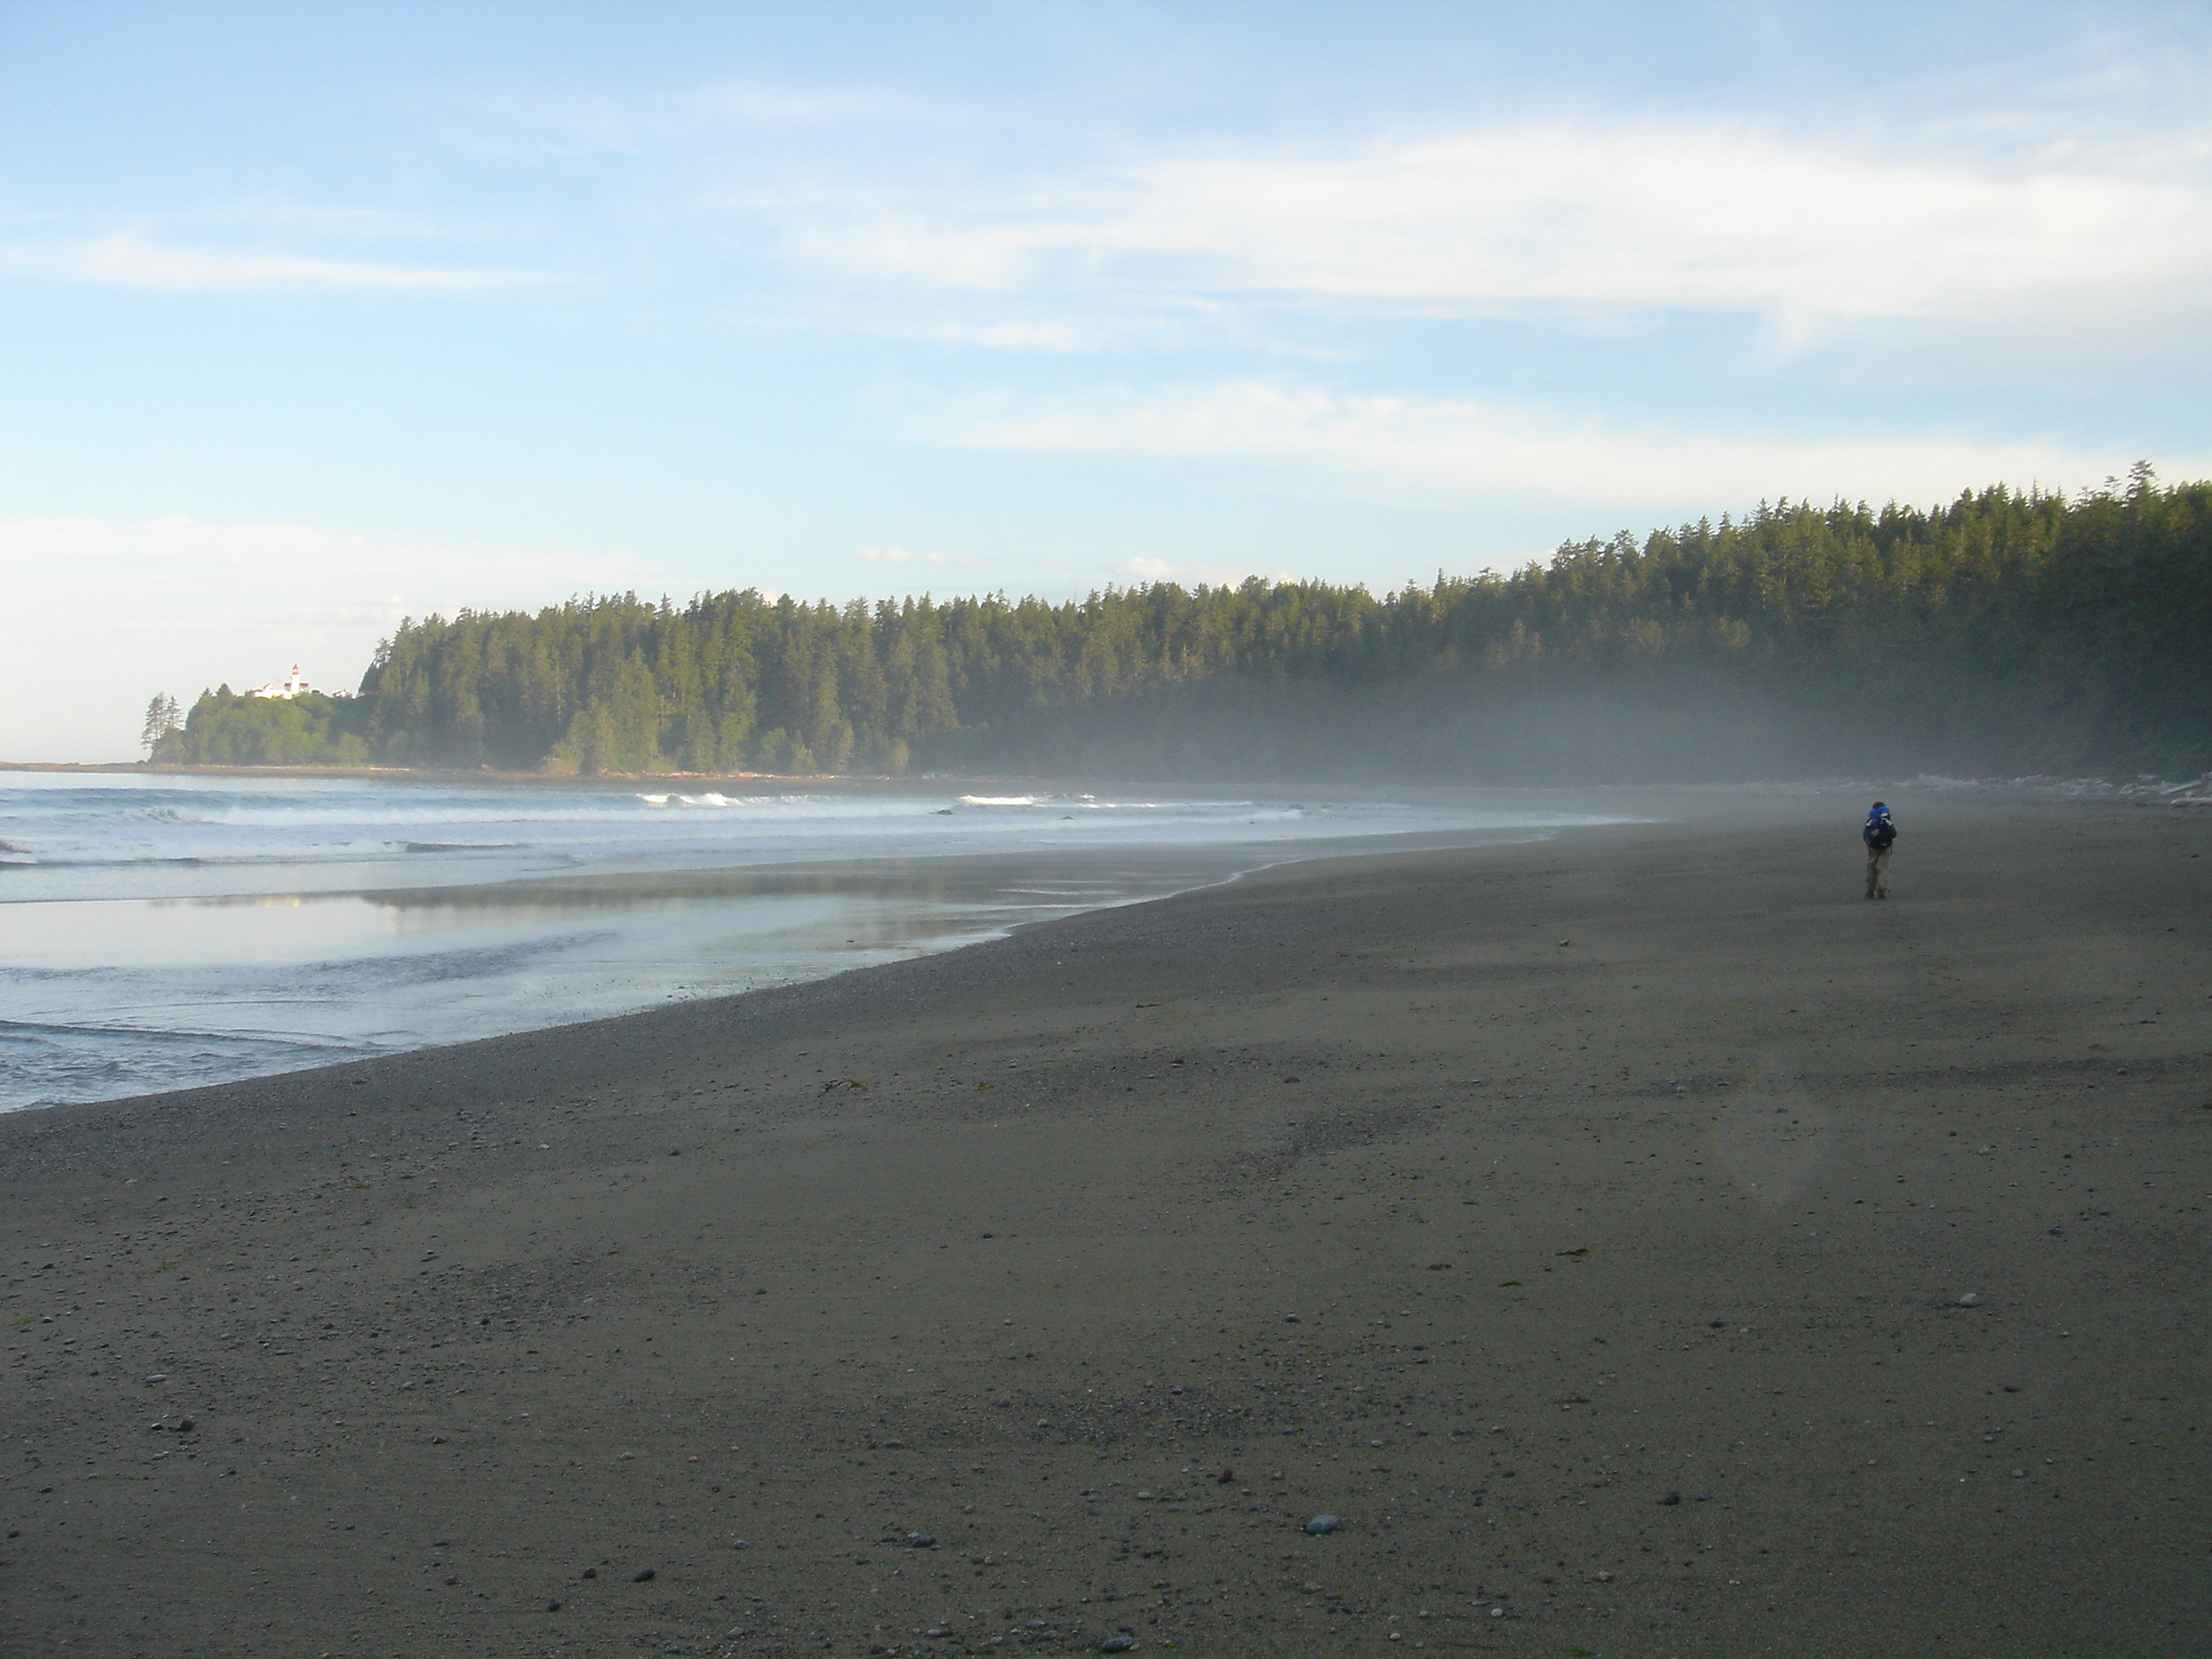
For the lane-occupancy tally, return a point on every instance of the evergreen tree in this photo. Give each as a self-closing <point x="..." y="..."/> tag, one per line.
<point x="162" y="716"/>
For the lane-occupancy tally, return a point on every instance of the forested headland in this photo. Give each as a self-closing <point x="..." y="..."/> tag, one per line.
<point x="2007" y="633"/>
<point x="239" y="729"/>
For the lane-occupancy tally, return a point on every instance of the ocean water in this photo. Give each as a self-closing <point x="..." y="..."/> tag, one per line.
<point x="163" y="933"/>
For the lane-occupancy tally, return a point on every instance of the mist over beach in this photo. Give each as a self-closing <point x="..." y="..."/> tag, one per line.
<point x="1099" y="829"/>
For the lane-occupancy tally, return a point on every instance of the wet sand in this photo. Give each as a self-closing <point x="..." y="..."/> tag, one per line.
<point x="1644" y="1245"/>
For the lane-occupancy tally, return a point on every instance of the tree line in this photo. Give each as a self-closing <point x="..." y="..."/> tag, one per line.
<point x="2009" y="630"/>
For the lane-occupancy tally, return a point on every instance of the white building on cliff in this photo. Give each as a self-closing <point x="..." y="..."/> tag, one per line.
<point x="291" y="687"/>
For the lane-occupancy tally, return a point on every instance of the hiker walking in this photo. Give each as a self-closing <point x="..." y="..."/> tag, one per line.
<point x="1880" y="834"/>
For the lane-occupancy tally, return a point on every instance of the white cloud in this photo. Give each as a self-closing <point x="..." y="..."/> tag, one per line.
<point x="564" y="123"/>
<point x="968" y="562"/>
<point x="1458" y="451"/>
<point x="1159" y="570"/>
<point x="102" y="615"/>
<point x="125" y="259"/>
<point x="1513" y="219"/>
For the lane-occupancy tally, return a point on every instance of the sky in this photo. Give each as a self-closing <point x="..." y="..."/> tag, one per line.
<point x="317" y="317"/>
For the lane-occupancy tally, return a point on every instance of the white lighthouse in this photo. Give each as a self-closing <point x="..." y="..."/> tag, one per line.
<point x="292" y="685"/>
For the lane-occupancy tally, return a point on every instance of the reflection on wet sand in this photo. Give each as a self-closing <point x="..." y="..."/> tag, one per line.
<point x="991" y="879"/>
<point x="114" y="995"/>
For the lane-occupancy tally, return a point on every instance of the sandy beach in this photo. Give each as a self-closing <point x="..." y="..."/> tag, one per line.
<point x="1639" y="1243"/>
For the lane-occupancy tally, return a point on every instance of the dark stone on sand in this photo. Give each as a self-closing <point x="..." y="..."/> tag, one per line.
<point x="921" y="1541"/>
<point x="1321" y="1524"/>
<point x="643" y="1577"/>
<point x="1671" y="1497"/>
<point x="1118" y="1644"/>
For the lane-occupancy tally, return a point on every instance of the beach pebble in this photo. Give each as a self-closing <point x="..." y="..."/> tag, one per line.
<point x="1321" y="1524"/>
<point x="1118" y="1644"/>
<point x="589" y="1572"/>
<point x="1290" y="1318"/>
<point x="644" y="1575"/>
<point x="921" y="1541"/>
<point x="1972" y="1299"/>
<point x="1671" y="1497"/>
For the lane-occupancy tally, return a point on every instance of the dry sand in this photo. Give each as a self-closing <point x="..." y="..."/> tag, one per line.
<point x="1587" y="1223"/>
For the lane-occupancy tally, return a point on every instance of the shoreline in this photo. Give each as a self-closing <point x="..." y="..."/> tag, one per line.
<point x="1590" y="1223"/>
<point x="745" y="926"/>
<point x="2110" y="786"/>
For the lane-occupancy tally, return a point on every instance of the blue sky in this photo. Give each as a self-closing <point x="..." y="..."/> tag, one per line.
<point x="315" y="317"/>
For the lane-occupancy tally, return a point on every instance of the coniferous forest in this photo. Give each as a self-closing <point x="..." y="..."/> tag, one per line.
<point x="2007" y="633"/>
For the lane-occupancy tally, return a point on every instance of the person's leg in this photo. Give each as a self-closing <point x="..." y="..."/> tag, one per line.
<point x="1873" y="865"/>
<point x="1879" y="874"/>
